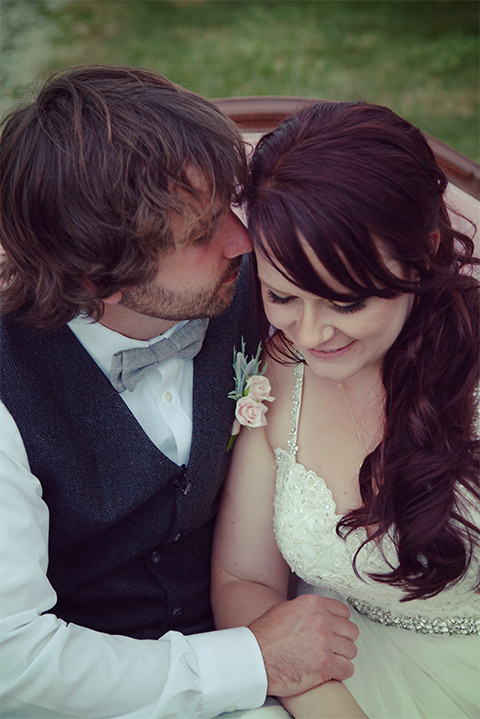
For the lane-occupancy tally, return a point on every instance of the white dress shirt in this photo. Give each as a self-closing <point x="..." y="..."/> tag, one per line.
<point x="162" y="401"/>
<point x="53" y="669"/>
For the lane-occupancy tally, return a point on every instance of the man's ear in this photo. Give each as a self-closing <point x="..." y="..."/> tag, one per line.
<point x="434" y="241"/>
<point x="113" y="299"/>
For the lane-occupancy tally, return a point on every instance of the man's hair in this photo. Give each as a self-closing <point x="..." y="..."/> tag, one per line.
<point x="91" y="173"/>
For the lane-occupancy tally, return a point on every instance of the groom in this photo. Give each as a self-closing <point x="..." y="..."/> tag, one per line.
<point x="122" y="258"/>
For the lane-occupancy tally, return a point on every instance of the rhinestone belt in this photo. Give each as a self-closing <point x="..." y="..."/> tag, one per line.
<point x="418" y="623"/>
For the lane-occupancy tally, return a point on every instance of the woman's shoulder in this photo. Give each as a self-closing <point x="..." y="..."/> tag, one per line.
<point x="280" y="375"/>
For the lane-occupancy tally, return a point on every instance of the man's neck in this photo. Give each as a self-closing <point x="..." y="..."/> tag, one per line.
<point x="132" y="324"/>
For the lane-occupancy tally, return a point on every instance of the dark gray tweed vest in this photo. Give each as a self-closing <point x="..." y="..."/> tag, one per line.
<point x="130" y="531"/>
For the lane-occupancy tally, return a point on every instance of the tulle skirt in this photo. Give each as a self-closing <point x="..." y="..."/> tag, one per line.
<point x="402" y="674"/>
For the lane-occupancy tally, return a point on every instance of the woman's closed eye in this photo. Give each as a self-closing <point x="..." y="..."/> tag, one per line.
<point x="345" y="309"/>
<point x="341" y="308"/>
<point x="278" y="299"/>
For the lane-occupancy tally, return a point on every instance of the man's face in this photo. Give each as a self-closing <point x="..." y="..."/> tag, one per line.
<point x="196" y="275"/>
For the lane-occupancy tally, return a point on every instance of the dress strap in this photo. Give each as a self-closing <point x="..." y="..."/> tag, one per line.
<point x="476" y="414"/>
<point x="298" y="371"/>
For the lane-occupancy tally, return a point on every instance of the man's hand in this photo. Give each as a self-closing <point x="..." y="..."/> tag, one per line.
<point x="305" y="642"/>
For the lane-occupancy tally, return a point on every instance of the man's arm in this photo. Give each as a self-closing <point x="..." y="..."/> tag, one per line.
<point x="79" y="672"/>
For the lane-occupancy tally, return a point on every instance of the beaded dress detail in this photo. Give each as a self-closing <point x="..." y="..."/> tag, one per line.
<point x="305" y="521"/>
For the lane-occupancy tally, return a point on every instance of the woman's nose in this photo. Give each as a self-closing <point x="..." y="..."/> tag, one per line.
<point x="313" y="329"/>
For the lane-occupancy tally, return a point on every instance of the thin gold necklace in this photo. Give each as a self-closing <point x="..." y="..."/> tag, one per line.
<point x="341" y="387"/>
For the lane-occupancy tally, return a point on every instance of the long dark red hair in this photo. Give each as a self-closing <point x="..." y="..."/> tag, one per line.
<point x="344" y="176"/>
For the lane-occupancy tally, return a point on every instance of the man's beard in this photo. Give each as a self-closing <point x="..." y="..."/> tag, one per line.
<point x="153" y="301"/>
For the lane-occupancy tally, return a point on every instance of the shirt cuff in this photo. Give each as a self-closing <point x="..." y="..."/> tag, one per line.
<point x="231" y="666"/>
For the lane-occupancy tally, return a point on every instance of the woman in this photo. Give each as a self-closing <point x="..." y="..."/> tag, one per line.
<point x="364" y="480"/>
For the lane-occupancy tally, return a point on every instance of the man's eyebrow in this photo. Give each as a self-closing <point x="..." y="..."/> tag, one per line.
<point x="206" y="225"/>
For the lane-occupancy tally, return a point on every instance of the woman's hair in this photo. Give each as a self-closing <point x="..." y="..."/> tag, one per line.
<point x="347" y="177"/>
<point x="91" y="173"/>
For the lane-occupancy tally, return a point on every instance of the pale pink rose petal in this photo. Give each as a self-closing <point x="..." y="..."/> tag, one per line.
<point x="250" y="413"/>
<point x="259" y="388"/>
<point x="235" y="427"/>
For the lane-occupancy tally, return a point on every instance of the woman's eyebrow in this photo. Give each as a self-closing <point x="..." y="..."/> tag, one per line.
<point x="267" y="284"/>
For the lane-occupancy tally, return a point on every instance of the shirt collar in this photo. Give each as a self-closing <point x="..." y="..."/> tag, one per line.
<point x="101" y="342"/>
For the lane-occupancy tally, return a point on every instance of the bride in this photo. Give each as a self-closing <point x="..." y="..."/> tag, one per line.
<point x="364" y="480"/>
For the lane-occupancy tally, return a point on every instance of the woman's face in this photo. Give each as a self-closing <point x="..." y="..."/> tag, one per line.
<point x="337" y="339"/>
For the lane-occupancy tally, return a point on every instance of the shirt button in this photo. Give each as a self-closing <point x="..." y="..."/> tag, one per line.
<point x="156" y="557"/>
<point x="168" y="397"/>
<point x="177" y="611"/>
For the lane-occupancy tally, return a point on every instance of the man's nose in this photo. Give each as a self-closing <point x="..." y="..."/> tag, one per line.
<point x="236" y="239"/>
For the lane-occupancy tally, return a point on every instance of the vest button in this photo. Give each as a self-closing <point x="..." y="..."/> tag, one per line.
<point x="156" y="557"/>
<point x="177" y="611"/>
<point x="177" y="537"/>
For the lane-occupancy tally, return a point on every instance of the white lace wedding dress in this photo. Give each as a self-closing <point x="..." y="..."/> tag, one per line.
<point x="415" y="659"/>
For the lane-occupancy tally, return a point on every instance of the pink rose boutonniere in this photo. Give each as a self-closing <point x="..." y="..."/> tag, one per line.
<point x="252" y="389"/>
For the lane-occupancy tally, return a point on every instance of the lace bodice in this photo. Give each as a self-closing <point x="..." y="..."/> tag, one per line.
<point x="305" y="522"/>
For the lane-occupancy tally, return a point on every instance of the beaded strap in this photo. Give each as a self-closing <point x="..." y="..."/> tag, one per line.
<point x="296" y="404"/>
<point x="417" y="623"/>
<point x="476" y="414"/>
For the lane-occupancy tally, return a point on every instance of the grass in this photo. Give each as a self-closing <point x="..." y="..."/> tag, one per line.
<point x="420" y="57"/>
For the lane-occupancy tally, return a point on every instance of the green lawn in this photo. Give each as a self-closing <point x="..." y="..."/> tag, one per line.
<point x="420" y="57"/>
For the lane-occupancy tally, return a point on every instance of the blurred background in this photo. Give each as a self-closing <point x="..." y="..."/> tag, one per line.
<point x="419" y="57"/>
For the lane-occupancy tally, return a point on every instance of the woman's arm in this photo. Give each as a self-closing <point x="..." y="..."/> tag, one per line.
<point x="330" y="700"/>
<point x="308" y="640"/>
<point x="249" y="575"/>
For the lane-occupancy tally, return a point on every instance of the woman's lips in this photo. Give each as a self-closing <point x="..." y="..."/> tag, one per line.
<point x="333" y="353"/>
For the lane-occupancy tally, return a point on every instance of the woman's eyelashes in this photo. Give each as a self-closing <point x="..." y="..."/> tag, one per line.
<point x="342" y="309"/>
<point x="277" y="299"/>
<point x="346" y="309"/>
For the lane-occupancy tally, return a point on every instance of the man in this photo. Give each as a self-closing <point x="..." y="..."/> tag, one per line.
<point x="116" y="226"/>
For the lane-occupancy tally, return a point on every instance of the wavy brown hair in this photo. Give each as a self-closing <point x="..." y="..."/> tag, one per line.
<point x="91" y="172"/>
<point x="341" y="175"/>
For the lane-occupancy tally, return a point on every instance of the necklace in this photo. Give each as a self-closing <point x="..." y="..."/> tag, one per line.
<point x="341" y="387"/>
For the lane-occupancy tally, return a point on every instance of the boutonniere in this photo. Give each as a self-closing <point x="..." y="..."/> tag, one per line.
<point x="252" y="389"/>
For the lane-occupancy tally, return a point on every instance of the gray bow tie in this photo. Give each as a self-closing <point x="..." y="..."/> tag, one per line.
<point x="130" y="366"/>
